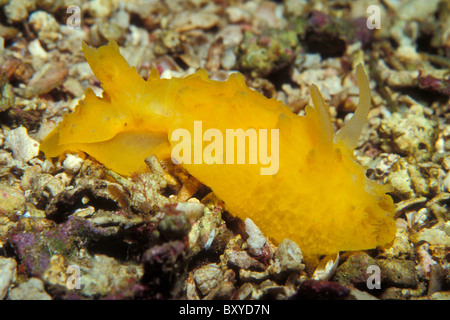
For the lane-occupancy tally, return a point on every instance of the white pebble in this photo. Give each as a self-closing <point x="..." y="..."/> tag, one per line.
<point x="36" y="50"/>
<point x="256" y="239"/>
<point x="7" y="271"/>
<point x="22" y="146"/>
<point x="72" y="163"/>
<point x="192" y="210"/>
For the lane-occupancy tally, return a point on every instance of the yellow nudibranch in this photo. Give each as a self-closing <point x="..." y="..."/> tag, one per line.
<point x="317" y="194"/>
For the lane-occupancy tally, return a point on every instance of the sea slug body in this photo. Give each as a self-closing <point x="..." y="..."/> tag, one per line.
<point x="303" y="183"/>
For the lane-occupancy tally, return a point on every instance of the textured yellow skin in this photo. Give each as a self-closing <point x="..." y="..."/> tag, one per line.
<point x="320" y="196"/>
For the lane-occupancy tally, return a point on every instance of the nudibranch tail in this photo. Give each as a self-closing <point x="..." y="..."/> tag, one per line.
<point x="350" y="133"/>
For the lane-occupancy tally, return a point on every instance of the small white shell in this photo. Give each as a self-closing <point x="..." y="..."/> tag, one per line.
<point x="326" y="268"/>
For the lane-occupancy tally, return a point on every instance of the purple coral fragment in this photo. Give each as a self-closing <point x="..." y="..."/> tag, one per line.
<point x="321" y="290"/>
